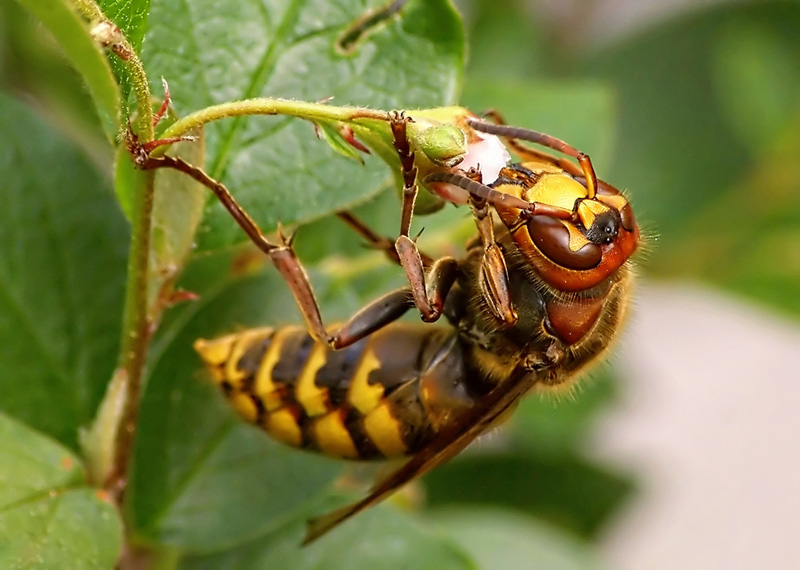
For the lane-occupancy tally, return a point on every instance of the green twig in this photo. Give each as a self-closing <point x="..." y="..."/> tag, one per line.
<point x="141" y="91"/>
<point x="435" y="132"/>
<point x="313" y="112"/>
<point x="89" y="10"/>
<point x="136" y="329"/>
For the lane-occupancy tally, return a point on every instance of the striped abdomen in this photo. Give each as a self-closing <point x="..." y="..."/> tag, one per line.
<point x="384" y="396"/>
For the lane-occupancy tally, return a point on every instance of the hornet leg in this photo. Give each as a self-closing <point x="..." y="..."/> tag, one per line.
<point x="374" y="316"/>
<point x="425" y="298"/>
<point x="494" y="275"/>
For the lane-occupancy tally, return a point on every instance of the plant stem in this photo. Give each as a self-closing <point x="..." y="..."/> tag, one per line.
<point x="270" y="106"/>
<point x="89" y="10"/>
<point x="136" y="329"/>
<point x="141" y="91"/>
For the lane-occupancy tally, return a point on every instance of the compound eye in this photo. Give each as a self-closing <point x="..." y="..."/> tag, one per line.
<point x="605" y="228"/>
<point x="552" y="239"/>
<point x="626" y="215"/>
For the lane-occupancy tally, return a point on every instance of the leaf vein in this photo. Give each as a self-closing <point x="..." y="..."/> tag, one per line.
<point x="196" y="466"/>
<point x="261" y="74"/>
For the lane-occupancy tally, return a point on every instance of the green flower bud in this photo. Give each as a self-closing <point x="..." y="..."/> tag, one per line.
<point x="443" y="144"/>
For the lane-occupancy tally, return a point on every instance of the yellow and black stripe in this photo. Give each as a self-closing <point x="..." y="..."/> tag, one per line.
<point x="384" y="396"/>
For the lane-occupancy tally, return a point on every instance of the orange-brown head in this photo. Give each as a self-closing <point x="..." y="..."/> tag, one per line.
<point x="578" y="250"/>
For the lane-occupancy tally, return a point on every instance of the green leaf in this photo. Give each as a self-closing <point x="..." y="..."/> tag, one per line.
<point x="276" y="167"/>
<point x="48" y="517"/>
<point x="379" y="538"/>
<point x="567" y="491"/>
<point x="72" y="34"/>
<point x="338" y="143"/>
<point x="500" y="539"/>
<point x="63" y="245"/>
<point x="202" y="479"/>
<point x="128" y="180"/>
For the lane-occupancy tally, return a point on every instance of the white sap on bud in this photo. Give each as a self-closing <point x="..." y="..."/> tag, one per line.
<point x="488" y="155"/>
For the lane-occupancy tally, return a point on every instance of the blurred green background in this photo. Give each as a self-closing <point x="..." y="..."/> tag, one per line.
<point x="680" y="453"/>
